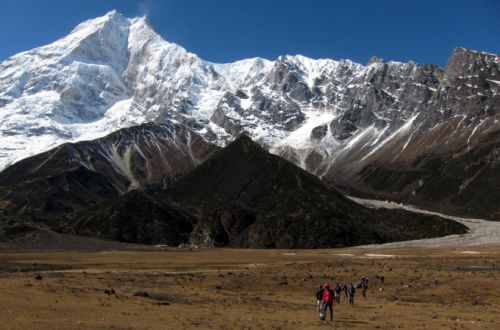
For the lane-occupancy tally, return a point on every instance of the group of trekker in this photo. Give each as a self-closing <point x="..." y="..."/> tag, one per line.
<point x="327" y="297"/>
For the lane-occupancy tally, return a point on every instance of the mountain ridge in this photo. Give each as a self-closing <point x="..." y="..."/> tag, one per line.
<point x="71" y="177"/>
<point x="119" y="97"/>
<point x="337" y="119"/>
<point x="242" y="196"/>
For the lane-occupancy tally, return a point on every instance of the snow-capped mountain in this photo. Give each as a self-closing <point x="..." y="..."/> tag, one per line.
<point x="108" y="73"/>
<point x="349" y="123"/>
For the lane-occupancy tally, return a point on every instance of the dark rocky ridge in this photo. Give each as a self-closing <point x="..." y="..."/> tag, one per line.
<point x="245" y="197"/>
<point x="77" y="175"/>
<point x="242" y="196"/>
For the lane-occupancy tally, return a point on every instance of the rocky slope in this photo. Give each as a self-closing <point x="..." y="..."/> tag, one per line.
<point x="245" y="197"/>
<point x="122" y="187"/>
<point x="133" y="217"/>
<point x="77" y="175"/>
<point x="445" y="157"/>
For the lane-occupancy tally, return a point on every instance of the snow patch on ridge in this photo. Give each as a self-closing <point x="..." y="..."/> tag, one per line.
<point x="401" y="131"/>
<point x="300" y="138"/>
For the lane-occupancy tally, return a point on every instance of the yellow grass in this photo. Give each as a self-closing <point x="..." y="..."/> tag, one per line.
<point x="245" y="289"/>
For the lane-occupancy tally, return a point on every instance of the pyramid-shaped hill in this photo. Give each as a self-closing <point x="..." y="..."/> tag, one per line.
<point x="244" y="196"/>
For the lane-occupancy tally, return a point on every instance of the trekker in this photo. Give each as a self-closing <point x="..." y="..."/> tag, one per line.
<point x="328" y="302"/>
<point x="338" y="289"/>
<point x="364" y="285"/>
<point x="351" y="291"/>
<point x="319" y="298"/>
<point x="344" y="287"/>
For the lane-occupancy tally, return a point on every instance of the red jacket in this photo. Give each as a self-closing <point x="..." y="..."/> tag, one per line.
<point x="328" y="296"/>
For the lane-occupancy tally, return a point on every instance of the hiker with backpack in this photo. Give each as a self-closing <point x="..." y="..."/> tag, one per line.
<point x="319" y="298"/>
<point x="338" y="290"/>
<point x="364" y="285"/>
<point x="327" y="301"/>
<point x="351" y="290"/>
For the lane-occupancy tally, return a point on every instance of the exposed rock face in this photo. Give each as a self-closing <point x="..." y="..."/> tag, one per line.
<point x="417" y="134"/>
<point x="219" y="117"/>
<point x="74" y="176"/>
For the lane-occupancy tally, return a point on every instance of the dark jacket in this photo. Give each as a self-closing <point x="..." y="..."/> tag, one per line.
<point x="319" y="293"/>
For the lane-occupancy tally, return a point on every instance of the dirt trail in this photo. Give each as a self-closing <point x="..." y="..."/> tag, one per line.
<point x="482" y="232"/>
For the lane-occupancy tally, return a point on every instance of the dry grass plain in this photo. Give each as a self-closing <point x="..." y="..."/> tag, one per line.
<point x="249" y="289"/>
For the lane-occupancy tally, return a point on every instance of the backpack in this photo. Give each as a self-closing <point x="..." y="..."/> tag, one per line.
<point x="330" y="296"/>
<point x="319" y="294"/>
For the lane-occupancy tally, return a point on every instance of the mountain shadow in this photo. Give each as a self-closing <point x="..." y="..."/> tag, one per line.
<point x="133" y="217"/>
<point x="244" y="196"/>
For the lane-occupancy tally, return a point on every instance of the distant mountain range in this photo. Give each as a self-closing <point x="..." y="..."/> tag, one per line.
<point x="153" y="112"/>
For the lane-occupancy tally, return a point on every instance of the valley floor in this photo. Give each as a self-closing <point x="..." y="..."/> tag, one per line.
<point x="424" y="288"/>
<point x="481" y="231"/>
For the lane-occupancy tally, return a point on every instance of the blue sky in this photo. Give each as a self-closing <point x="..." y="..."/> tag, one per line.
<point x="223" y="31"/>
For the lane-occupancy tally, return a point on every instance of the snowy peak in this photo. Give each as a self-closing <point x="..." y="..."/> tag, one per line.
<point x="112" y="20"/>
<point x="244" y="73"/>
<point x="99" y="41"/>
